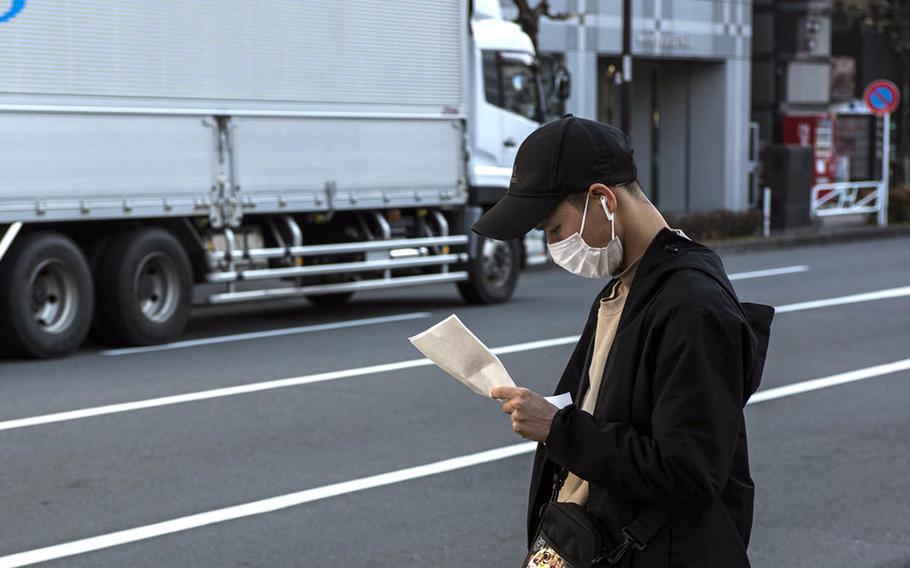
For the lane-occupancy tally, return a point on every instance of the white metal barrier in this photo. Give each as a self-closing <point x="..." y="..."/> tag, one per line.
<point x="844" y="198"/>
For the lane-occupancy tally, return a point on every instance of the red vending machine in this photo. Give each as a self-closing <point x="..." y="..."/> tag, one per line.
<point x="817" y="132"/>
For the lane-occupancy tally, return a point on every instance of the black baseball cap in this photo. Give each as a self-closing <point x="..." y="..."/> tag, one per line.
<point x="561" y="157"/>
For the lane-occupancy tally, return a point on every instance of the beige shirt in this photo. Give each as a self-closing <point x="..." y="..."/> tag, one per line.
<point x="575" y="489"/>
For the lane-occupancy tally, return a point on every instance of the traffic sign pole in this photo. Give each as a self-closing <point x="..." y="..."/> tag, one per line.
<point x="882" y="97"/>
<point x="886" y="171"/>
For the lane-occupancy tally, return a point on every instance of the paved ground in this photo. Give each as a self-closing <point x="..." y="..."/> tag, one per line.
<point x="830" y="464"/>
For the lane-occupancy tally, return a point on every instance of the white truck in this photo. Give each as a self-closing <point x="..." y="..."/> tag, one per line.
<point x="230" y="151"/>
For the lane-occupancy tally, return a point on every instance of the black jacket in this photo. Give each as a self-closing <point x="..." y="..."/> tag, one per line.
<point x="668" y="429"/>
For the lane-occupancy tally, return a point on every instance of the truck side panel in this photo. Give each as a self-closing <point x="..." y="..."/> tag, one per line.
<point x="351" y="55"/>
<point x="97" y="166"/>
<point x="308" y="164"/>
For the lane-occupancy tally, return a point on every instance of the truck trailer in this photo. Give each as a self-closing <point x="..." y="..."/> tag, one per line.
<point x="234" y="151"/>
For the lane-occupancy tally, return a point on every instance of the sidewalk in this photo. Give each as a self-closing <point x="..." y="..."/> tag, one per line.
<point x="831" y="231"/>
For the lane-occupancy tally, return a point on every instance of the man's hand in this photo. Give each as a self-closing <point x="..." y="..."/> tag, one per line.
<point x="531" y="413"/>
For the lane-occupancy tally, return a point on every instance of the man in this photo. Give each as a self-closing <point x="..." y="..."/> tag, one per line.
<point x="654" y="440"/>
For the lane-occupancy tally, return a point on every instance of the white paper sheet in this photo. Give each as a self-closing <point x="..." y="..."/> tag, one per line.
<point x="459" y="353"/>
<point x="560" y="400"/>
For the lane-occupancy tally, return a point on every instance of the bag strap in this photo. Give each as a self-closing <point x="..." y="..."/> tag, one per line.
<point x="648" y="523"/>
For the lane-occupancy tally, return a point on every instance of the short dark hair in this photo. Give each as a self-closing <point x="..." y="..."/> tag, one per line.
<point x="578" y="198"/>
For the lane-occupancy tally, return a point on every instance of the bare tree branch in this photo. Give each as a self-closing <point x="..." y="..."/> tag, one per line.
<point x="529" y="17"/>
<point x="890" y="18"/>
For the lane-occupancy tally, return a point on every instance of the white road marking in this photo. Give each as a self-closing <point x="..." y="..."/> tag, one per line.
<point x="360" y="322"/>
<point x="830" y="381"/>
<point x="257" y="387"/>
<point x="266" y="333"/>
<point x="258" y="507"/>
<point x="318" y="493"/>
<point x="8" y="237"/>
<point x="372" y="369"/>
<point x="841" y="300"/>
<point x="768" y="272"/>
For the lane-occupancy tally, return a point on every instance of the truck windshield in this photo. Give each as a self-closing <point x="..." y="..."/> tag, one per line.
<point x="510" y="82"/>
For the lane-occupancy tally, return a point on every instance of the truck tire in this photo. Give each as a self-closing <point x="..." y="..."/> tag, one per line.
<point x="46" y="296"/>
<point x="144" y="288"/>
<point x="493" y="273"/>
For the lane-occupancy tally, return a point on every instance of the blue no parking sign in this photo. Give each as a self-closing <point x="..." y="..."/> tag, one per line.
<point x="882" y="97"/>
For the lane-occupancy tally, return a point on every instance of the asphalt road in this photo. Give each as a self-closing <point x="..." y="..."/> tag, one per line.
<point x="322" y="469"/>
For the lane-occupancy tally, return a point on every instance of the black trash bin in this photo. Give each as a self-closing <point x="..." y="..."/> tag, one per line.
<point x="788" y="172"/>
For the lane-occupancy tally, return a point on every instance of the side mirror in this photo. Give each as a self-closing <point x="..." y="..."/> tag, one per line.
<point x="563" y="83"/>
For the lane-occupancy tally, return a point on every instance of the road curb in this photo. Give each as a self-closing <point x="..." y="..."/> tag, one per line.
<point x="831" y="236"/>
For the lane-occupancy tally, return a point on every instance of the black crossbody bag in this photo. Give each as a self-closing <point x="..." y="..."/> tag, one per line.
<point x="580" y="540"/>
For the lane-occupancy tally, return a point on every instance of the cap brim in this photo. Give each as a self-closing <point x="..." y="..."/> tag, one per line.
<point x="514" y="215"/>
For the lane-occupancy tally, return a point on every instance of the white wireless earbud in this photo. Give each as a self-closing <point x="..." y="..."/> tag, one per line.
<point x="603" y="203"/>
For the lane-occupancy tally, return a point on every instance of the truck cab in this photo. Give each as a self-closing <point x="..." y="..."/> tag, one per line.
<point x="506" y="104"/>
<point x="505" y="99"/>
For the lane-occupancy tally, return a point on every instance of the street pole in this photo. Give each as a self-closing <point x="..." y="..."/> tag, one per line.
<point x="886" y="172"/>
<point x="766" y="212"/>
<point x="626" y="93"/>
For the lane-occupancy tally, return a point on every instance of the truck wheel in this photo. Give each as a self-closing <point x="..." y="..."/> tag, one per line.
<point x="46" y="296"/>
<point x="494" y="273"/>
<point x="145" y="287"/>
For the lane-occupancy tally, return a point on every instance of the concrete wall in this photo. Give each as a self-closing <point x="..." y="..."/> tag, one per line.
<point x="703" y="90"/>
<point x="674" y="101"/>
<point x="700" y="128"/>
<point x="709" y="156"/>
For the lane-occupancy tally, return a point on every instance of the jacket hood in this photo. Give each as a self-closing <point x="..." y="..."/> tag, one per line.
<point x="669" y="252"/>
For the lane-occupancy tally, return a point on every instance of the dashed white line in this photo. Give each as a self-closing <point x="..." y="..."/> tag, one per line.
<point x="841" y="300"/>
<point x="360" y="322"/>
<point x="369" y="370"/>
<point x="831" y="381"/>
<point x="768" y="272"/>
<point x="257" y="387"/>
<point x="267" y="333"/>
<point x="272" y="504"/>
<point x="257" y="507"/>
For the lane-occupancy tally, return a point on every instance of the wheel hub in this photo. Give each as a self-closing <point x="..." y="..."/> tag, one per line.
<point x="496" y="259"/>
<point x="54" y="297"/>
<point x="157" y="287"/>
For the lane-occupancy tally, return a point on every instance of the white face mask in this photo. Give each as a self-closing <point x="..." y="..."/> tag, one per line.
<point x="578" y="257"/>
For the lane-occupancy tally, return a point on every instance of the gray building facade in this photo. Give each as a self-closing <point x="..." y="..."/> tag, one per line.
<point x="691" y="90"/>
